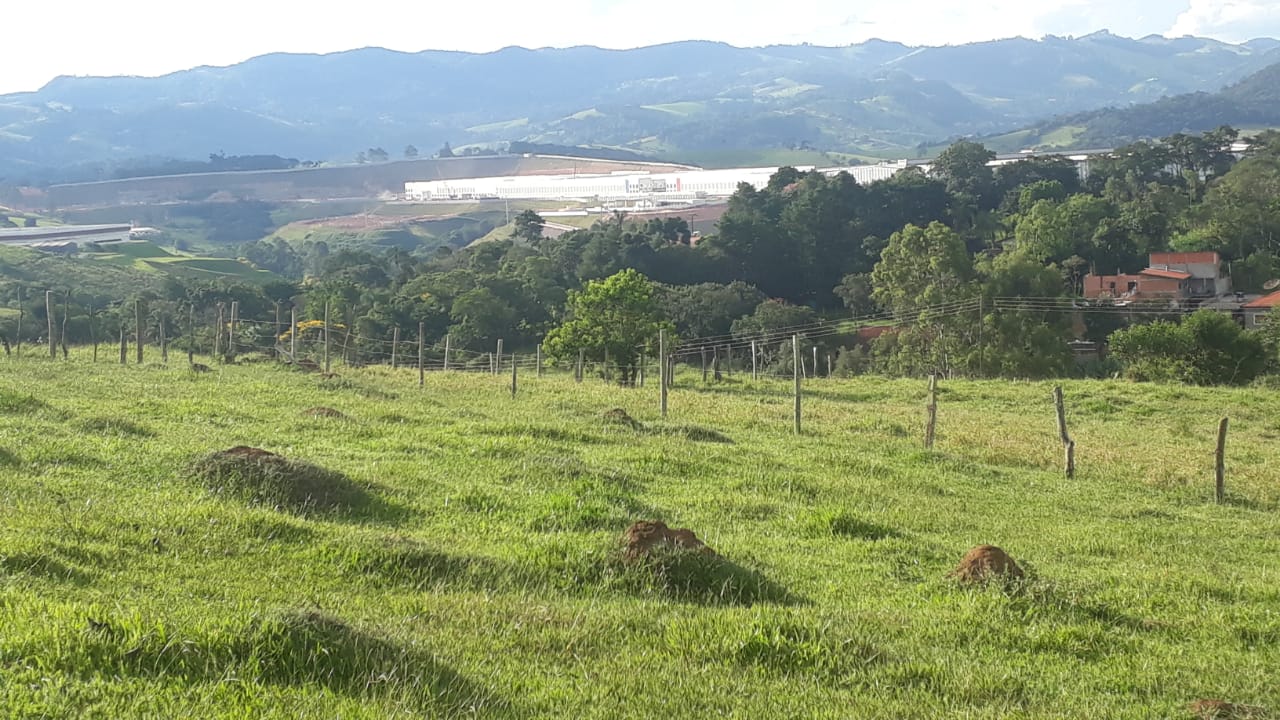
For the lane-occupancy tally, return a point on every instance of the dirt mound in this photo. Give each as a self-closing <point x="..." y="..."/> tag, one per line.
<point x="645" y="537"/>
<point x="985" y="563"/>
<point x="329" y="376"/>
<point x="200" y="368"/>
<point x="306" y="365"/>
<point x="261" y="477"/>
<point x="1222" y="710"/>
<point x="326" y="412"/>
<point x="618" y="416"/>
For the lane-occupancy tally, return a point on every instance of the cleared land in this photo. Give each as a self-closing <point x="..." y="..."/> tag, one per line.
<point x="456" y="550"/>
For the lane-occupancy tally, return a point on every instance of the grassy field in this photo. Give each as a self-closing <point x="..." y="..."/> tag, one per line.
<point x="469" y="563"/>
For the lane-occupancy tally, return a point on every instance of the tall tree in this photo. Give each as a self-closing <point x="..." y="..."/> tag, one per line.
<point x="615" y="317"/>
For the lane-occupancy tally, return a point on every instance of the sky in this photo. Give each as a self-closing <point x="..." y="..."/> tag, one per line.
<point x="153" y="37"/>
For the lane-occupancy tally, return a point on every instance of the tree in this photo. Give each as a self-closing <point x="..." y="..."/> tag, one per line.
<point x="1207" y="348"/>
<point x="616" y="316"/>
<point x="410" y="152"/>
<point x="445" y="152"/>
<point x="378" y="155"/>
<point x="963" y="167"/>
<point x="529" y="225"/>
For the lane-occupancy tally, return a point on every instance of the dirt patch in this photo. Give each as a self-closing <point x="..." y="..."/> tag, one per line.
<point x="986" y="563"/>
<point x="1222" y="710"/>
<point x="618" y="416"/>
<point x="646" y="537"/>
<point x="306" y="365"/>
<point x="324" y="412"/>
<point x="200" y="368"/>
<point x="261" y="477"/>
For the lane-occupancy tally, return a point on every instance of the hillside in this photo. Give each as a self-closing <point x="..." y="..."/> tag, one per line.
<point x="455" y="552"/>
<point x="874" y="98"/>
<point x="1253" y="102"/>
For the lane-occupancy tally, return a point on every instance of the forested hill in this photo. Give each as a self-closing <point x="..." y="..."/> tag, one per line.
<point x="680" y="100"/>
<point x="1253" y="102"/>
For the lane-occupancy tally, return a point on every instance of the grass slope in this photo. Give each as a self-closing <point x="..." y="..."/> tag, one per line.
<point x="477" y="573"/>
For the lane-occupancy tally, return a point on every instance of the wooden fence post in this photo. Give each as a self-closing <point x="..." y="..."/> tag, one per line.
<point x="48" y="311"/>
<point x="395" y="344"/>
<point x="231" y="331"/>
<point x="577" y="373"/>
<point x="931" y="426"/>
<point x="446" y="352"/>
<point x="93" y="334"/>
<point x="1220" y="464"/>
<point x="191" y="334"/>
<point x="663" y="369"/>
<point x="124" y="345"/>
<point x="796" y="372"/>
<point x="638" y="379"/>
<point x="513" y="374"/>
<point x="1068" y="445"/>
<point x="139" y="329"/>
<point x="217" y="334"/>
<point x="326" y="337"/>
<point x="755" y="369"/>
<point x="704" y="363"/>
<point x="715" y="364"/>
<point x="18" y="349"/>
<point x="815" y="361"/>
<point x="828" y="365"/>
<point x="538" y="361"/>
<point x="293" y="334"/>
<point x="66" y="313"/>
<point x="164" y="343"/>
<point x="275" y="340"/>
<point x="422" y="348"/>
<point x="728" y="360"/>
<point x="497" y="359"/>
<point x="607" y="375"/>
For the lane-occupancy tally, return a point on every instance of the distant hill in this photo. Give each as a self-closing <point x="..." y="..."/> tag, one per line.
<point x="1250" y="103"/>
<point x="876" y="98"/>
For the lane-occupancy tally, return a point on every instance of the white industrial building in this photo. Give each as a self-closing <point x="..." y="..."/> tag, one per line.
<point x="622" y="186"/>
<point x="64" y="237"/>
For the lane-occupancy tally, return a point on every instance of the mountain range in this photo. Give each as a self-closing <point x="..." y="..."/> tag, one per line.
<point x="876" y="99"/>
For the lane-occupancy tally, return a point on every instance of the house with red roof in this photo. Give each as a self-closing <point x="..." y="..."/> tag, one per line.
<point x="1169" y="276"/>
<point x="1256" y="311"/>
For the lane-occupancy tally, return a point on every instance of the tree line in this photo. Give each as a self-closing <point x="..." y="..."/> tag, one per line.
<point x="810" y="246"/>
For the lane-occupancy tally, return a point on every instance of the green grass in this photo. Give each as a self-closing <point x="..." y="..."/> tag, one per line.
<point x="471" y="566"/>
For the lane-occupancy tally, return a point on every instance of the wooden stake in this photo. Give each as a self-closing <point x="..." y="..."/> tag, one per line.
<point x="191" y="334"/>
<point x="497" y="359"/>
<point x="217" y="332"/>
<point x="796" y="371"/>
<point x="231" y="332"/>
<point x="422" y="348"/>
<point x="48" y="311"/>
<point x="513" y="374"/>
<point x="931" y="426"/>
<point x="538" y="361"/>
<point x="139" y="329"/>
<point x="446" y="352"/>
<point x="93" y="334"/>
<point x="18" y="340"/>
<point x="395" y="344"/>
<point x="577" y="373"/>
<point x="66" y="313"/>
<point x="663" y="369"/>
<point x="814" y="367"/>
<point x="1060" y="409"/>
<point x="1220" y="465"/>
<point x="124" y="345"/>
<point x="828" y="366"/>
<point x="326" y="337"/>
<point x="715" y="364"/>
<point x="704" y="364"/>
<point x="755" y="369"/>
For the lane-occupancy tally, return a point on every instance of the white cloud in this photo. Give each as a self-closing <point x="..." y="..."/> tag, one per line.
<point x="1230" y="20"/>
<point x="150" y="37"/>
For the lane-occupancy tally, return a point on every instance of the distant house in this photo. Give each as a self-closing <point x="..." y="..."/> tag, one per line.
<point x="1255" y="311"/>
<point x="1169" y="276"/>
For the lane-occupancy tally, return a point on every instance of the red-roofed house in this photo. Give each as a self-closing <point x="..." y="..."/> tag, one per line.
<point x="1170" y="276"/>
<point x="1255" y="311"/>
